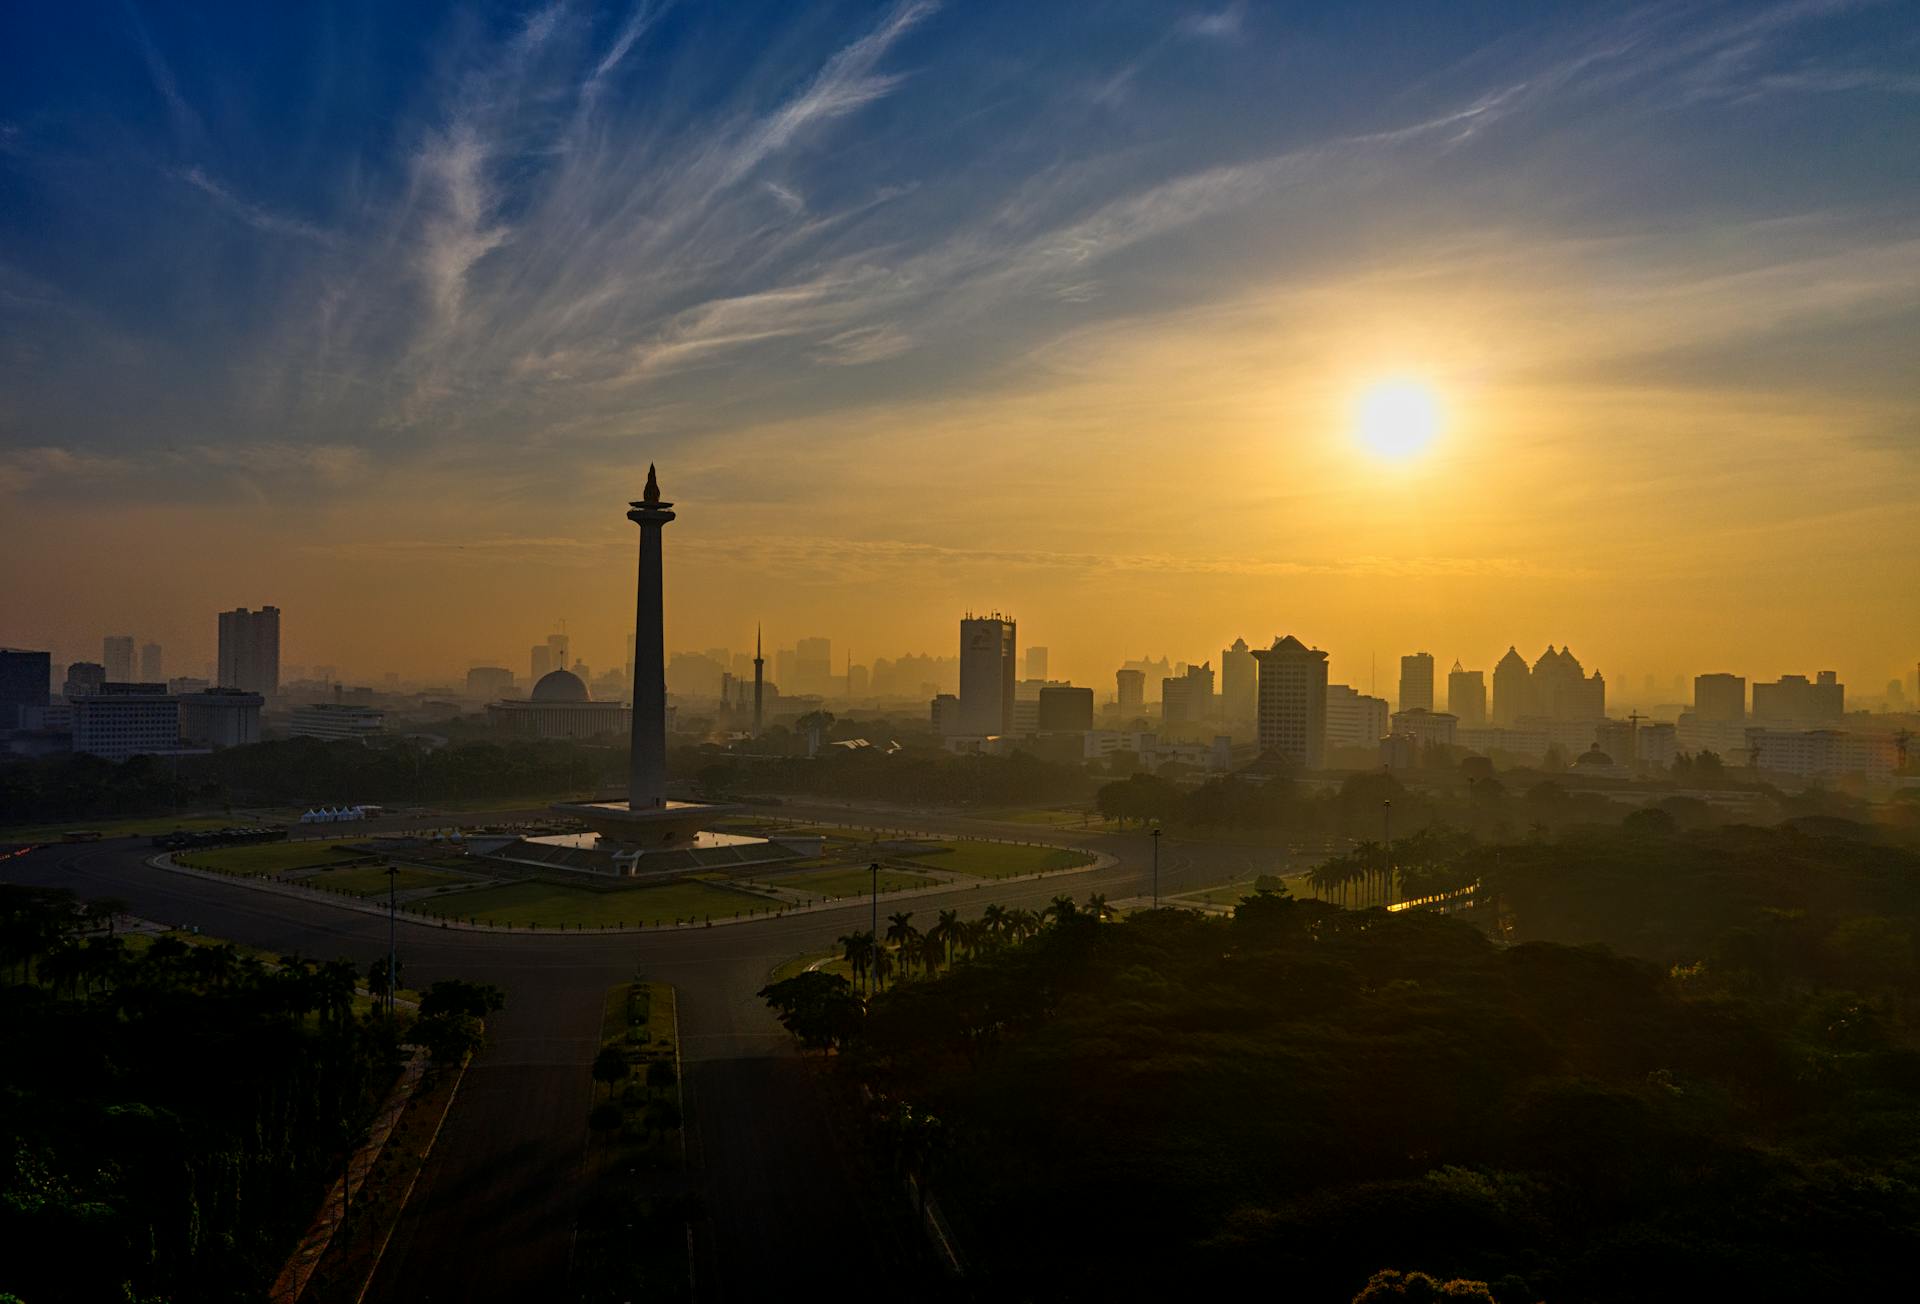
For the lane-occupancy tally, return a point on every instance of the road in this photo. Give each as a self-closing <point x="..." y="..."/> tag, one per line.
<point x="790" y="1209"/>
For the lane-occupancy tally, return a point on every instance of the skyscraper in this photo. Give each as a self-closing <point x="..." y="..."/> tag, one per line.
<point x="1131" y="687"/>
<point x="1239" y="682"/>
<point x="1293" y="701"/>
<point x="83" y="678"/>
<point x="539" y="662"/>
<point x="151" y="668"/>
<point x="1512" y="690"/>
<point x="813" y="665"/>
<point x="1355" y="719"/>
<point x="116" y="654"/>
<point x="986" y="674"/>
<point x="1467" y="697"/>
<point x="1720" y="699"/>
<point x="1416" y="682"/>
<point x="26" y="680"/>
<point x="1187" y="698"/>
<point x="759" y="680"/>
<point x="250" y="650"/>
<point x="1036" y="663"/>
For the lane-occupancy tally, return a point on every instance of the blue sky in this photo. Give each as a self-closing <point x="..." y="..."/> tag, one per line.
<point x="311" y="276"/>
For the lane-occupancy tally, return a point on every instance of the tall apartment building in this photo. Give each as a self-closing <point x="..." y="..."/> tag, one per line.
<point x="116" y="654"/>
<point x="1792" y="699"/>
<point x="152" y="668"/>
<point x="1293" y="702"/>
<point x="1065" y="709"/>
<point x="1188" y="698"/>
<point x="986" y="674"/>
<point x="26" y="682"/>
<point x="1239" y="683"/>
<point x="1036" y="663"/>
<point x="1720" y="699"/>
<point x="1467" y="697"/>
<point x="250" y="650"/>
<point x="1354" y="719"/>
<point x="1130" y="686"/>
<point x="1416" y="682"/>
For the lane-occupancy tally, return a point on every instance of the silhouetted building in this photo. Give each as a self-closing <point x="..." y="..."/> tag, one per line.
<point x="334" y="721"/>
<point x="250" y="650"/>
<point x="26" y="682"/>
<point x="945" y="714"/>
<point x="986" y="674"/>
<point x="1720" y="699"/>
<point x="1815" y="753"/>
<point x="83" y="679"/>
<point x="1188" y="698"/>
<point x="220" y="717"/>
<point x="151" y="667"/>
<point x="1354" y="719"/>
<point x="1131" y="689"/>
<point x="1793" y="700"/>
<point x="1467" y="696"/>
<point x="759" y="682"/>
<point x="539" y="662"/>
<point x="1416" y="682"/>
<point x="116" y="654"/>
<point x="1065" y="709"/>
<point x="1557" y="687"/>
<point x="1512" y="690"/>
<point x="1293" y="702"/>
<point x="1036" y="663"/>
<point x="1239" y="683"/>
<point x="813" y="666"/>
<point x="1428" y="728"/>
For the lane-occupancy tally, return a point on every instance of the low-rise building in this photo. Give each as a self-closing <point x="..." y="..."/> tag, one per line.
<point x="120" y="720"/>
<point x="220" y="717"/>
<point x="334" y="721"/>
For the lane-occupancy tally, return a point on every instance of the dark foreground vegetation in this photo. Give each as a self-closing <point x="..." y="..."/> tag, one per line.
<point x="1720" y="1102"/>
<point x="170" y="1113"/>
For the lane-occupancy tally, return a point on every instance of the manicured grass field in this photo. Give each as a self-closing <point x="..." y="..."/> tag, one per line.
<point x="553" y="904"/>
<point x="263" y="858"/>
<point x="848" y="882"/>
<point x="371" y="880"/>
<point x="1230" y="894"/>
<point x="996" y="859"/>
<point x="826" y="961"/>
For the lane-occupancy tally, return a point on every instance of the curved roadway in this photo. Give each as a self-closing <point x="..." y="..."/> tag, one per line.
<point x="790" y="1210"/>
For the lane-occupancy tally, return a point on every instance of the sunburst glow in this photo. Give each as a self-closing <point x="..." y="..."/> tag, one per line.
<point x="1397" y="419"/>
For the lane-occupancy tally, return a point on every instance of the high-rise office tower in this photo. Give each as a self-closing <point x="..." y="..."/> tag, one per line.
<point x="1293" y="701"/>
<point x="539" y="662"/>
<point x="986" y="674"/>
<point x="1355" y="719"/>
<point x="1467" y="697"/>
<point x="1721" y="698"/>
<point x="250" y="650"/>
<point x="559" y="651"/>
<point x="1131" y="687"/>
<point x="1512" y="690"/>
<point x="116" y="654"/>
<point x="1187" y="698"/>
<point x="759" y="680"/>
<point x="151" y="667"/>
<point x="813" y="665"/>
<point x="1416" y="682"/>
<point x="1036" y="663"/>
<point x="26" y="681"/>
<point x="1239" y="682"/>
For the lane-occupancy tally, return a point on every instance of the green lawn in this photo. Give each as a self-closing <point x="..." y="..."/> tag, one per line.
<point x="554" y="904"/>
<point x="1048" y="815"/>
<point x="827" y="961"/>
<point x="848" y="882"/>
<point x="371" y="880"/>
<point x="1230" y="894"/>
<point x="996" y="859"/>
<point x="263" y="858"/>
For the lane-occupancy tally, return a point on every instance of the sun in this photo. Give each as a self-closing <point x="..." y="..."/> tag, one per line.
<point x="1397" y="418"/>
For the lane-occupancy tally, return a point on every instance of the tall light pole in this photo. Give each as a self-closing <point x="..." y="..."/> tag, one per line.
<point x="874" y="923"/>
<point x="1386" y="825"/>
<point x="1156" y="867"/>
<point x="393" y="966"/>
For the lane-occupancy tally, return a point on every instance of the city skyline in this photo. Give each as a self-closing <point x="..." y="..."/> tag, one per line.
<point x="1240" y="234"/>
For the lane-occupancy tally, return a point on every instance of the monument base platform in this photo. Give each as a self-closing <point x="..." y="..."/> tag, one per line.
<point x="649" y="828"/>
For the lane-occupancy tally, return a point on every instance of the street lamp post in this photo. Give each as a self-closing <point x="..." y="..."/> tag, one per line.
<point x="1386" y="824"/>
<point x="1156" y="867"/>
<point x="874" y="923"/>
<point x="393" y="967"/>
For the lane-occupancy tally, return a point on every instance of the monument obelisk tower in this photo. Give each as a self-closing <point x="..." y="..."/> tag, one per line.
<point x="647" y="762"/>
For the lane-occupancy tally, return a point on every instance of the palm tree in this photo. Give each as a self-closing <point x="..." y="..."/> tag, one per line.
<point x="858" y="950"/>
<point x="1061" y="908"/>
<point x="1023" y="924"/>
<point x="882" y="966"/>
<point x="947" y="931"/>
<point x="995" y="922"/>
<point x="900" y="932"/>
<point x="1097" y="906"/>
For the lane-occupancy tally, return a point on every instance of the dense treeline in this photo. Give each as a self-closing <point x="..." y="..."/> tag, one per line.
<point x="170" y="1115"/>
<point x="1306" y="1095"/>
<point x="299" y="771"/>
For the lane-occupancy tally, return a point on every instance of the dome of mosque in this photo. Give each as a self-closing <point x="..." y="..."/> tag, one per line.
<point x="560" y="686"/>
